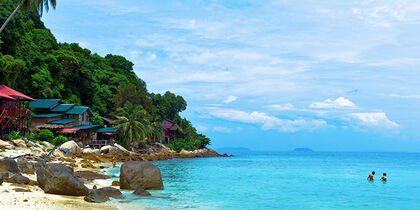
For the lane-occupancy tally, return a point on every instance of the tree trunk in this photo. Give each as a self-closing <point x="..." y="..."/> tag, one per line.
<point x="11" y="16"/>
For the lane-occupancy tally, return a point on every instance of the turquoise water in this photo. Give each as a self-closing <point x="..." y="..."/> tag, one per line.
<point x="287" y="181"/>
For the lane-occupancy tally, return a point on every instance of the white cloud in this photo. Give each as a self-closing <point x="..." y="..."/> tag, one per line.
<point x="202" y="128"/>
<point x="230" y="99"/>
<point x="281" y="107"/>
<point x="266" y="121"/>
<point x="340" y="102"/>
<point x="223" y="129"/>
<point x="378" y="119"/>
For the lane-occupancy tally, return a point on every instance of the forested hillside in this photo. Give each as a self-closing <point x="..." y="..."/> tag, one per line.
<point x="33" y="62"/>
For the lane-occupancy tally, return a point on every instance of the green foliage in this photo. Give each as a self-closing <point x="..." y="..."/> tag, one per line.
<point x="44" y="135"/>
<point x="31" y="136"/>
<point x="2" y="150"/>
<point x="49" y="149"/>
<point x="14" y="135"/>
<point x="59" y="140"/>
<point x="97" y="119"/>
<point x="133" y="124"/>
<point x="180" y="144"/>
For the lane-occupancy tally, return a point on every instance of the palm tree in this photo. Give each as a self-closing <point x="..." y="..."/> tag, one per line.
<point x="34" y="5"/>
<point x="133" y="124"/>
<point x="156" y="131"/>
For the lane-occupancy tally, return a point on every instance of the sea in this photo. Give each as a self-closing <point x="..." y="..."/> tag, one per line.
<point x="285" y="180"/>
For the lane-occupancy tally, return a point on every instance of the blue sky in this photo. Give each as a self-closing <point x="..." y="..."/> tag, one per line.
<point x="269" y="75"/>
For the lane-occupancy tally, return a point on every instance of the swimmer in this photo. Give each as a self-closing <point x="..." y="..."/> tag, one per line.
<point x="370" y="177"/>
<point x="383" y="178"/>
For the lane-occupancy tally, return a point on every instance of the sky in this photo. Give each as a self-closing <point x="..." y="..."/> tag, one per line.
<point x="269" y="75"/>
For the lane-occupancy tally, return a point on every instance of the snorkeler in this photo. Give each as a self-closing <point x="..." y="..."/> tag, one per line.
<point x="370" y="177"/>
<point x="383" y="178"/>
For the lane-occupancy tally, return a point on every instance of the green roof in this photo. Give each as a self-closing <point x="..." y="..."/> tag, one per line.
<point x="83" y="127"/>
<point x="107" y="130"/>
<point x="62" y="121"/>
<point x="62" y="108"/>
<point x="77" y="110"/>
<point x="43" y="103"/>
<point x="47" y="115"/>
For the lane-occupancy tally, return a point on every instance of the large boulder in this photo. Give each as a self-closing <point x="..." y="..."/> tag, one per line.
<point x="18" y="179"/>
<point x="9" y="165"/>
<point x="140" y="175"/>
<point x="121" y="148"/>
<point x="25" y="166"/>
<point x="105" y="149"/>
<point x="56" y="178"/>
<point x="89" y="151"/>
<point x="96" y="196"/>
<point x="114" y="150"/>
<point x="112" y="192"/>
<point x="5" y="145"/>
<point x="74" y="149"/>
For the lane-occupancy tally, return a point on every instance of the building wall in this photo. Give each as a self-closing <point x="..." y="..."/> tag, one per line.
<point x="43" y="120"/>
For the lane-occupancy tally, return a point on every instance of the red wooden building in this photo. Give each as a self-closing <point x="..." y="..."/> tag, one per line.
<point x="170" y="131"/>
<point x="14" y="112"/>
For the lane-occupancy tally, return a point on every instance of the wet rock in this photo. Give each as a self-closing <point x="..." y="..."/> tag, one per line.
<point x="9" y="165"/>
<point x="142" y="192"/>
<point x="112" y="192"/>
<point x="18" y="179"/>
<point x="56" y="178"/>
<point x="140" y="175"/>
<point x="96" y="196"/>
<point x="73" y="147"/>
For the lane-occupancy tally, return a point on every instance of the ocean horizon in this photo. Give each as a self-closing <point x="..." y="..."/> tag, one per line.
<point x="285" y="180"/>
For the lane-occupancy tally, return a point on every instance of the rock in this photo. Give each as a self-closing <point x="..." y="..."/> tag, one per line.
<point x="18" y="179"/>
<point x="94" y="187"/>
<point x="4" y="176"/>
<point x="96" y="196"/>
<point x="5" y="145"/>
<point x="89" y="151"/>
<point x="112" y="192"/>
<point x="74" y="149"/>
<point x="25" y="166"/>
<point x="38" y="164"/>
<point x="21" y="190"/>
<point x="105" y="149"/>
<point x="9" y="165"/>
<point x="115" y="183"/>
<point x="141" y="192"/>
<point x="25" y="200"/>
<point x="56" y="178"/>
<point x="140" y="175"/>
<point x="90" y="175"/>
<point x="114" y="150"/>
<point x="1" y="181"/>
<point x="19" y="143"/>
<point x="120" y="148"/>
<point x="32" y="182"/>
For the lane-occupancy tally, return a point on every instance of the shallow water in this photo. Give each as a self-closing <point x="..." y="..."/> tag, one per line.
<point x="287" y="180"/>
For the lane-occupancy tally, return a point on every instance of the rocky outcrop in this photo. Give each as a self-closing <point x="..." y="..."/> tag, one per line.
<point x="140" y="175"/>
<point x="112" y="192"/>
<point x="141" y="192"/>
<point x="25" y="166"/>
<point x="116" y="150"/>
<point x="74" y="149"/>
<point x="9" y="165"/>
<point x="115" y="183"/>
<point x="5" y="145"/>
<point x="90" y="175"/>
<point x="88" y="151"/>
<point x="96" y="196"/>
<point x="56" y="178"/>
<point x="18" y="179"/>
<point x="19" y="142"/>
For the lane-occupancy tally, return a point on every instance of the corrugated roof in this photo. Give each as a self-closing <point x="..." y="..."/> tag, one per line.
<point x="77" y="110"/>
<point x="43" y="103"/>
<point x="83" y="127"/>
<point x="10" y="92"/>
<point x="62" y="121"/>
<point x="62" y="108"/>
<point x="107" y="130"/>
<point x="46" y="115"/>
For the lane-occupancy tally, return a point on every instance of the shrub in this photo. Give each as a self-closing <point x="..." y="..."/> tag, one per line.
<point x="44" y="135"/>
<point x="14" y="135"/>
<point x="31" y="136"/>
<point x="2" y="150"/>
<point x="49" y="150"/>
<point x="59" y="140"/>
<point x="181" y="143"/>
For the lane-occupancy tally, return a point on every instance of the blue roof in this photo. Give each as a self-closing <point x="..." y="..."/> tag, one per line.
<point x="62" y="121"/>
<point x="44" y="103"/>
<point x="46" y="115"/>
<point x="77" y="110"/>
<point x="83" y="127"/>
<point x="62" y="108"/>
<point x="107" y="130"/>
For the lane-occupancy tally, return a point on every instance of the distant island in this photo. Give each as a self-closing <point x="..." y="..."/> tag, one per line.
<point x="302" y="150"/>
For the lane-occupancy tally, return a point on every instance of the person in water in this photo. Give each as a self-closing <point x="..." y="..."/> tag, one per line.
<point x="370" y="177"/>
<point x="383" y="178"/>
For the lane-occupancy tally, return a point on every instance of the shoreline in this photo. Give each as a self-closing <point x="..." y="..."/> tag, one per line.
<point x="88" y="166"/>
